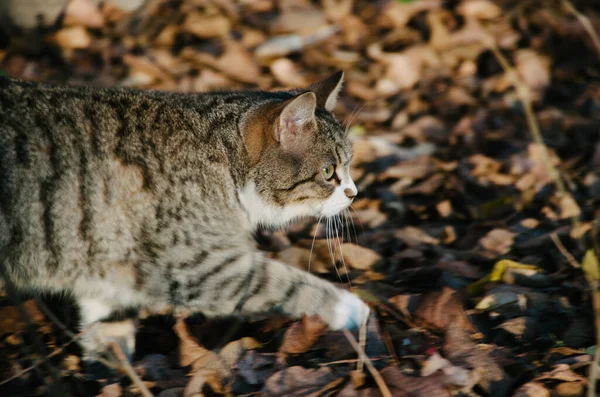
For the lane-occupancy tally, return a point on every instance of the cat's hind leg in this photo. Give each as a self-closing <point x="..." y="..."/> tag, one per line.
<point x="98" y="335"/>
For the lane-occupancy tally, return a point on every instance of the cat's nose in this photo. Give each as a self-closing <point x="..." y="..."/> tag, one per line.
<point x="350" y="193"/>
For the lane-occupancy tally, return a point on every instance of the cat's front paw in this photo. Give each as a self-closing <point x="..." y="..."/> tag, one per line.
<point x="350" y="312"/>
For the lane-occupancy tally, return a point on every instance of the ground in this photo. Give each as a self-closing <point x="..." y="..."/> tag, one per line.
<point x="474" y="236"/>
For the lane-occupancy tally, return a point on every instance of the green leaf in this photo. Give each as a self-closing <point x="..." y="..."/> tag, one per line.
<point x="591" y="267"/>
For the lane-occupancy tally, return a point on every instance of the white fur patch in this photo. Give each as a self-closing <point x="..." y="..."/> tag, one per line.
<point x="350" y="312"/>
<point x="261" y="212"/>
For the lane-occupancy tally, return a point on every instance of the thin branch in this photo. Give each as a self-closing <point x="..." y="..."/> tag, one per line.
<point x="385" y="391"/>
<point x="126" y="365"/>
<point x="563" y="250"/>
<point x="524" y="96"/>
<point x="585" y="22"/>
<point x="53" y="353"/>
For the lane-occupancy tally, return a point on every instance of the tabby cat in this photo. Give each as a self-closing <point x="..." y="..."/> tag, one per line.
<point x="125" y="198"/>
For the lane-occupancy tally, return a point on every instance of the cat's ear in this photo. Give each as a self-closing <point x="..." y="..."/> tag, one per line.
<point x="328" y="90"/>
<point x="293" y="129"/>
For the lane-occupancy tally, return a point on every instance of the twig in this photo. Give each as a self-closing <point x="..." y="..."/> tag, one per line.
<point x="523" y="94"/>
<point x="348" y="361"/>
<point x="53" y="353"/>
<point x="37" y="342"/>
<point x="594" y="369"/>
<point x="585" y="22"/>
<point x="563" y="250"/>
<point x="385" y="391"/>
<point x="126" y="365"/>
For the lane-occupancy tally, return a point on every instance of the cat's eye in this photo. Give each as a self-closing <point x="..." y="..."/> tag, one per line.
<point x="329" y="171"/>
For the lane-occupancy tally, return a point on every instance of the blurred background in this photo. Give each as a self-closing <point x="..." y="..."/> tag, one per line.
<point x="476" y="136"/>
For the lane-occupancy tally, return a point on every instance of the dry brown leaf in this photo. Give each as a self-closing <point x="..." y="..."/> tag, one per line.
<point x="563" y="373"/>
<point x="413" y="236"/>
<point x="530" y="223"/>
<point x="449" y="235"/>
<point x="498" y="241"/>
<point x="236" y="62"/>
<point x="413" y="169"/>
<point x="359" y="257"/>
<point x="206" y="26"/>
<point x="479" y="9"/>
<point x="302" y="18"/>
<point x="460" y="349"/>
<point x="83" y="12"/>
<point x="532" y="389"/>
<point x="200" y="358"/>
<point x="72" y="38"/>
<point x="444" y="208"/>
<point x="401" y="385"/>
<point x="442" y="308"/>
<point x="568" y="207"/>
<point x="397" y="14"/>
<point x="534" y="70"/>
<point x="579" y="230"/>
<point x="287" y="73"/>
<point x="302" y="335"/>
<point x="232" y="351"/>
<point x="570" y="389"/>
<point x="11" y="320"/>
<point x="112" y="390"/>
<point x="302" y="258"/>
<point x="299" y="381"/>
<point x="201" y="378"/>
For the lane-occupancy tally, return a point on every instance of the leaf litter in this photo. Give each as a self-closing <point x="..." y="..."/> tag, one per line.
<point x="476" y="266"/>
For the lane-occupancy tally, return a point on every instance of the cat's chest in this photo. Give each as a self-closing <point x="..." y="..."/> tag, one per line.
<point x="260" y="212"/>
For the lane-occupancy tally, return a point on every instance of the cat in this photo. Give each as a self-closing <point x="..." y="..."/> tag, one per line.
<point x="128" y="198"/>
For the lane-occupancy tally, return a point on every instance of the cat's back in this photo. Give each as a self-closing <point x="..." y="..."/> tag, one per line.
<point x="74" y="169"/>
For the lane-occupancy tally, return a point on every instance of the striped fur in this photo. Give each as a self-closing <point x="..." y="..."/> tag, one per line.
<point x="125" y="198"/>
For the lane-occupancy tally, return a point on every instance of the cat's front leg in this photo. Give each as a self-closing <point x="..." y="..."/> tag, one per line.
<point x="98" y="335"/>
<point x="257" y="284"/>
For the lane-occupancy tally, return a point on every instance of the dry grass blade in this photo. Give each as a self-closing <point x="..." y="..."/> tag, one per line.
<point x="585" y="22"/>
<point x="563" y="250"/>
<point x="524" y="96"/>
<point x="385" y="391"/>
<point x="126" y="365"/>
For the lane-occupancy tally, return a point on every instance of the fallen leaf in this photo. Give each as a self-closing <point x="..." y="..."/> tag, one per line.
<point x="359" y="257"/>
<point x="532" y="389"/>
<point x="232" y="351"/>
<point x="302" y="335"/>
<point x="83" y="12"/>
<point x="568" y="207"/>
<point x="72" y="38"/>
<point x="298" y="381"/>
<point x="287" y="73"/>
<point x="563" y="373"/>
<point x="444" y="208"/>
<point x="206" y="26"/>
<point x="460" y="349"/>
<point x="401" y="385"/>
<point x="498" y="241"/>
<point x="591" y="267"/>
<point x="442" y="309"/>
<point x="414" y="236"/>
<point x="200" y="358"/>
<point x="199" y="379"/>
<point x="112" y="390"/>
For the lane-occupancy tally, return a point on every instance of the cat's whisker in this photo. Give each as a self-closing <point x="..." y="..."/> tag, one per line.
<point x="331" y="246"/>
<point x="351" y="221"/>
<point x="359" y="221"/>
<point x="339" y="219"/>
<point x="312" y="247"/>
<point x="353" y="115"/>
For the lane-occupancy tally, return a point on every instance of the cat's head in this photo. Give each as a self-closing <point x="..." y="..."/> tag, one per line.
<point x="300" y="157"/>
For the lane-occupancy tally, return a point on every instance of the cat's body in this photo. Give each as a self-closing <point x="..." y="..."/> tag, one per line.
<point x="126" y="198"/>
